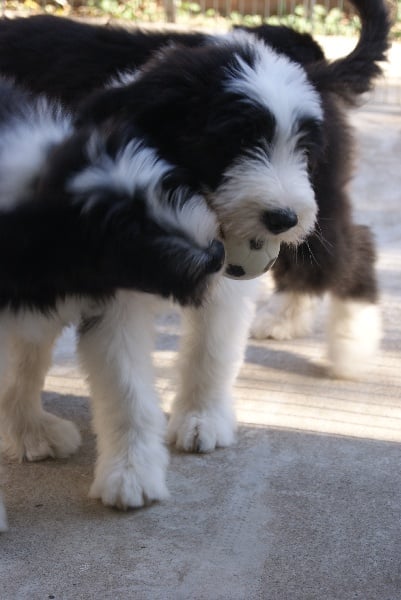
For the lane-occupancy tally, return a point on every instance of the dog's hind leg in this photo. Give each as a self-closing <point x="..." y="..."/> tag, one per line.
<point x="213" y="344"/>
<point x="28" y="431"/>
<point x="354" y="336"/>
<point x="285" y="316"/>
<point x="301" y="276"/>
<point x="354" y="327"/>
<point x="115" y="348"/>
<point x="347" y="273"/>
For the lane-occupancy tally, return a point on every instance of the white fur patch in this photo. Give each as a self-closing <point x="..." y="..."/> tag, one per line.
<point x="137" y="167"/>
<point x="261" y="183"/>
<point x="123" y="78"/>
<point x="354" y="336"/>
<point x="277" y="83"/>
<point x="24" y="145"/>
<point x="197" y="220"/>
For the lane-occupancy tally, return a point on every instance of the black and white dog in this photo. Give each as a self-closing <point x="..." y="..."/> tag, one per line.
<point x="338" y="257"/>
<point x="84" y="215"/>
<point x="260" y="137"/>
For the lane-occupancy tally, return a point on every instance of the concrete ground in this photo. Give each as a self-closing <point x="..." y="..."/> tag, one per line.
<point x="305" y="506"/>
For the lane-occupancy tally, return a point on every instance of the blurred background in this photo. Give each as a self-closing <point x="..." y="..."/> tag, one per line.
<point x="332" y="22"/>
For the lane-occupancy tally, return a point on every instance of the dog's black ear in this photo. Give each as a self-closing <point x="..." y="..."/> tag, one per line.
<point x="145" y="103"/>
<point x="140" y="99"/>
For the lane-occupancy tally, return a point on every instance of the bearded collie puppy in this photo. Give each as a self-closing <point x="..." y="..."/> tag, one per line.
<point x="265" y="142"/>
<point x="85" y="216"/>
<point x="338" y="257"/>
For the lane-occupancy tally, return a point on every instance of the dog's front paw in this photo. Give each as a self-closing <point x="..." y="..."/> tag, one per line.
<point x="45" y="436"/>
<point x="204" y="431"/>
<point x="126" y="485"/>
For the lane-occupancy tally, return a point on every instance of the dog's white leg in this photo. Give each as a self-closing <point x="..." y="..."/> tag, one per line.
<point x="354" y="336"/>
<point x="285" y="316"/>
<point x="115" y="351"/>
<point x="28" y="431"/>
<point x="212" y="350"/>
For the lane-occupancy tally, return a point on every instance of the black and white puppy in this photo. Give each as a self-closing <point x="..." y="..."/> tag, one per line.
<point x="84" y="215"/>
<point x="338" y="257"/>
<point x="240" y="124"/>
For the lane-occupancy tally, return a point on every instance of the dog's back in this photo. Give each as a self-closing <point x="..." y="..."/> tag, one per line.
<point x="299" y="47"/>
<point x="67" y="59"/>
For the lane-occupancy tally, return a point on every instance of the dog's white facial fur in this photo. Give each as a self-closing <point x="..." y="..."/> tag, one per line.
<point x="273" y="175"/>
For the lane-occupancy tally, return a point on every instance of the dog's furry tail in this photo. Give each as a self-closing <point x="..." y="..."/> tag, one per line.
<point x="353" y="75"/>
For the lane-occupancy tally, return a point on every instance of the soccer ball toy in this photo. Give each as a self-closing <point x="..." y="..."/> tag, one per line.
<point x="246" y="259"/>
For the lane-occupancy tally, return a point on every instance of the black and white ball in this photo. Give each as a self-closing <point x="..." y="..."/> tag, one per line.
<point x="247" y="259"/>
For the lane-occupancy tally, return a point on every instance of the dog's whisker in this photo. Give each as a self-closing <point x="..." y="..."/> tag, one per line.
<point x="312" y="257"/>
<point x="325" y="243"/>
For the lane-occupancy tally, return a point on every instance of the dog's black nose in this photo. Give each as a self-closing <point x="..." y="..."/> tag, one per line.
<point x="279" y="220"/>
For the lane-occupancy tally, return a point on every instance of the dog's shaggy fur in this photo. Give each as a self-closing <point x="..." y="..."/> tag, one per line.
<point x="88" y="212"/>
<point x="261" y="138"/>
<point x="339" y="256"/>
<point x="84" y="214"/>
